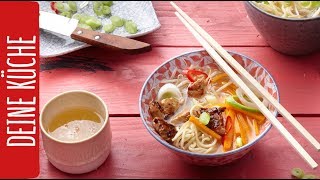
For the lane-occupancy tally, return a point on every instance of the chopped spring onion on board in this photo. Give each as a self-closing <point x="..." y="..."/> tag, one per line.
<point x="100" y="9"/>
<point x="66" y="14"/>
<point x="77" y="16"/>
<point x="73" y="6"/>
<point x="108" y="28"/>
<point x="131" y="27"/>
<point x="83" y="18"/>
<point x="93" y="22"/>
<point x="117" y="21"/>
<point x="84" y="26"/>
<point x="107" y="3"/>
<point x="59" y="6"/>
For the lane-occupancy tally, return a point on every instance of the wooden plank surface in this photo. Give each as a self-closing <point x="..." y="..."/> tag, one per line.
<point x="113" y="76"/>
<point x="136" y="154"/>
<point x="227" y="22"/>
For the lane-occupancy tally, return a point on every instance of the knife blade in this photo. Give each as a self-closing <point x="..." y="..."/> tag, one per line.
<point x="68" y="27"/>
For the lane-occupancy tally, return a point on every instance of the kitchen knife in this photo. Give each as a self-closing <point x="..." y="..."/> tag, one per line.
<point x="68" y="27"/>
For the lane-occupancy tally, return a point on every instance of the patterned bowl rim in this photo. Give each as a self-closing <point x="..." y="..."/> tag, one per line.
<point x="281" y="18"/>
<point x="172" y="147"/>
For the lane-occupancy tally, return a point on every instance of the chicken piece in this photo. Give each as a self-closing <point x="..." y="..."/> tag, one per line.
<point x="197" y="88"/>
<point x="165" y="130"/>
<point x="155" y="109"/>
<point x="216" y="119"/>
<point x="182" y="118"/>
<point x="169" y="106"/>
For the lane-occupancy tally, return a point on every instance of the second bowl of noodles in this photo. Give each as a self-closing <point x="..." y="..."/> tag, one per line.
<point x="193" y="108"/>
<point x="290" y="27"/>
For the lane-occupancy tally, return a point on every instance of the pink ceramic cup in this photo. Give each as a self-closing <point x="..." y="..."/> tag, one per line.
<point x="81" y="156"/>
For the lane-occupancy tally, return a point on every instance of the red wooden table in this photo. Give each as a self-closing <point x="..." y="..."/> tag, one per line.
<point x="118" y="79"/>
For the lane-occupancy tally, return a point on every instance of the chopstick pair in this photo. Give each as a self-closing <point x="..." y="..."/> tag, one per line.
<point x="212" y="47"/>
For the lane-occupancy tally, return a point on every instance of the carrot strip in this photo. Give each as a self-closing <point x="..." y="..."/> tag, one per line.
<point x="204" y="128"/>
<point x="244" y="128"/>
<point x="258" y="116"/>
<point x="230" y="90"/>
<point x="218" y="77"/>
<point x="233" y="86"/>
<point x="237" y="128"/>
<point x="261" y="121"/>
<point x="243" y="122"/>
<point x="256" y="127"/>
<point x="228" y="137"/>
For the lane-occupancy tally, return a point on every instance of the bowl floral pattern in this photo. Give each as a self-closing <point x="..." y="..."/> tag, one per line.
<point x="201" y="58"/>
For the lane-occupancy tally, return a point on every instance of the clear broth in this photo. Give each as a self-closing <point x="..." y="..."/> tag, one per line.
<point x="75" y="124"/>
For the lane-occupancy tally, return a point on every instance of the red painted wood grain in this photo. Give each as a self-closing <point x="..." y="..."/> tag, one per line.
<point x="226" y="21"/>
<point x="136" y="154"/>
<point x="298" y="78"/>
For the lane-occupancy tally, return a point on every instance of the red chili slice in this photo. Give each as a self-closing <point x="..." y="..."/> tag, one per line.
<point x="193" y="74"/>
<point x="53" y="7"/>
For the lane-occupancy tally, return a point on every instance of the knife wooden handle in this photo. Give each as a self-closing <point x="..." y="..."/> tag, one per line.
<point x="104" y="40"/>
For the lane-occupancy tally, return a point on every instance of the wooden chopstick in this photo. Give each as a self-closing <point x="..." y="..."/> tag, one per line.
<point x="249" y="78"/>
<point x="248" y="92"/>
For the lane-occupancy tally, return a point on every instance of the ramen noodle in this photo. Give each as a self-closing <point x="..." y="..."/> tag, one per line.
<point x="201" y="110"/>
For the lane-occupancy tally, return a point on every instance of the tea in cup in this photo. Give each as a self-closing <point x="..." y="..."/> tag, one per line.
<point x="76" y="131"/>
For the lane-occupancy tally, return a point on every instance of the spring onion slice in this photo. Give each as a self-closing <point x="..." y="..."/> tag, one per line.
<point x="100" y="9"/>
<point x="204" y="118"/>
<point x="107" y="3"/>
<point x="93" y="22"/>
<point x="73" y="6"/>
<point x="66" y="14"/>
<point x="59" y="6"/>
<point x="297" y="172"/>
<point x="108" y="28"/>
<point x="84" y="26"/>
<point x="131" y="27"/>
<point x="77" y="16"/>
<point x="83" y="18"/>
<point x="117" y="21"/>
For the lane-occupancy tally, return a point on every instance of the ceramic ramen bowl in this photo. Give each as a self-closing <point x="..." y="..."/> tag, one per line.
<point x="288" y="36"/>
<point x="201" y="58"/>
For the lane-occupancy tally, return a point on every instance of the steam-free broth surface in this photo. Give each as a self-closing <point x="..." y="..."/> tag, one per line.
<point x="75" y="124"/>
